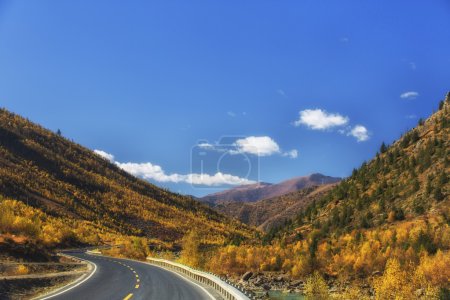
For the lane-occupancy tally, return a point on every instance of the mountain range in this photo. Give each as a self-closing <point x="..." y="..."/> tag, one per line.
<point x="262" y="190"/>
<point x="270" y="213"/>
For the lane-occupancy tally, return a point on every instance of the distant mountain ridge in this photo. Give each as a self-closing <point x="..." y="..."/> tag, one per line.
<point x="270" y="213"/>
<point x="263" y="190"/>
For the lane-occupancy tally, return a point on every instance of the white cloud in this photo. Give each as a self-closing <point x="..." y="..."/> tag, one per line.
<point x="155" y="172"/>
<point x="344" y="40"/>
<point x="411" y="117"/>
<point x="257" y="145"/>
<point x="319" y="119"/>
<point x="281" y="93"/>
<point x="231" y="114"/>
<point x="206" y="145"/>
<point x="412" y="65"/>
<point x="292" y="154"/>
<point x="105" y="155"/>
<point x="409" y="95"/>
<point x="217" y="179"/>
<point x="150" y="171"/>
<point x="360" y="133"/>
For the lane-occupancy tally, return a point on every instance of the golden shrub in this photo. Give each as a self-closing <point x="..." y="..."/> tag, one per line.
<point x="352" y="293"/>
<point x="394" y="284"/>
<point x="435" y="269"/>
<point x="22" y="270"/>
<point x="316" y="288"/>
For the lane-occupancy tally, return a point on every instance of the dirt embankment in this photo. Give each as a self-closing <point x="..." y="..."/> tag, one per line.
<point x="27" y="271"/>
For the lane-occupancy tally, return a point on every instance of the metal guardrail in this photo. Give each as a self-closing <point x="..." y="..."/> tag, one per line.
<point x="227" y="291"/>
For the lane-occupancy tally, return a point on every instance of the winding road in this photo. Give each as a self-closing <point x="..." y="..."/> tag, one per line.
<point x="122" y="279"/>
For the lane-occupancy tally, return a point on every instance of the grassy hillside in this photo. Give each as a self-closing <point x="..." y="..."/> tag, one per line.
<point x="73" y="192"/>
<point x="390" y="217"/>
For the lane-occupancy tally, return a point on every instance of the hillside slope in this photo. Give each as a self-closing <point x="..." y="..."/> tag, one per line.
<point x="259" y="191"/>
<point x="392" y="215"/>
<point x="71" y="183"/>
<point x="406" y="180"/>
<point x="270" y="213"/>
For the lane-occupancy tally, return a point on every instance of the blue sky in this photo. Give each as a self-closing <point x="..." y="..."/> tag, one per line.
<point x="146" y="81"/>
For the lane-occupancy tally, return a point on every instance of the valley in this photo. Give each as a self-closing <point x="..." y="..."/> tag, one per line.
<point x="392" y="210"/>
<point x="246" y="150"/>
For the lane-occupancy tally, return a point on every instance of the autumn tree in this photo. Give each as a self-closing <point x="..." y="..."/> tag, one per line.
<point x="394" y="283"/>
<point x="316" y="288"/>
<point x="190" y="253"/>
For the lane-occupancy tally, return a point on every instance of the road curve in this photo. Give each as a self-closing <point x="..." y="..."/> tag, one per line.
<point x="119" y="279"/>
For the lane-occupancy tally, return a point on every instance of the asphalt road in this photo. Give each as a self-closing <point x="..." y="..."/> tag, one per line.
<point x="121" y="279"/>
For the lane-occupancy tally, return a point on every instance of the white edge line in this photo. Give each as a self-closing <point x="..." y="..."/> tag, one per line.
<point x="73" y="286"/>
<point x="147" y="263"/>
<point x="187" y="279"/>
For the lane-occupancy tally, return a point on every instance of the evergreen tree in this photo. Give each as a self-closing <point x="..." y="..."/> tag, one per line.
<point x="383" y="148"/>
<point x="438" y="195"/>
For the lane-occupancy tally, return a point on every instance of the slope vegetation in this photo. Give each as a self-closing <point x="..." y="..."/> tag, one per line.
<point x="391" y="214"/>
<point x="74" y="191"/>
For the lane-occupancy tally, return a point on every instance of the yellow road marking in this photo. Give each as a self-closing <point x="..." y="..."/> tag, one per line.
<point x="128" y="297"/>
<point x="137" y="286"/>
<point x="137" y="276"/>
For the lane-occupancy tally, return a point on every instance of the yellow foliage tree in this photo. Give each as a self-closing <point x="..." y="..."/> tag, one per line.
<point x="316" y="288"/>
<point x="352" y="293"/>
<point x="394" y="284"/>
<point x="190" y="253"/>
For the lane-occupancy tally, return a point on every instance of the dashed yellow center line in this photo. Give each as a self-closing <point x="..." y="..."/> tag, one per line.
<point x="128" y="297"/>
<point x="137" y="279"/>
